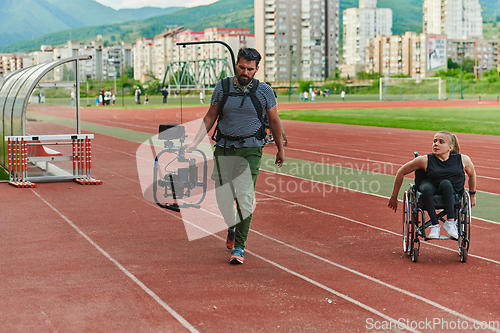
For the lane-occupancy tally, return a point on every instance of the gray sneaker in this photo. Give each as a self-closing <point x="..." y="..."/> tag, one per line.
<point x="435" y="231"/>
<point x="451" y="228"/>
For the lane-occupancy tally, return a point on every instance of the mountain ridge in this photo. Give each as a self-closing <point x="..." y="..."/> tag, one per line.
<point x="224" y="13"/>
<point x="28" y="19"/>
<point x="407" y="16"/>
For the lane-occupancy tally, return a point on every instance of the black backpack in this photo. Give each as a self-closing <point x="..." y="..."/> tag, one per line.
<point x="226" y="85"/>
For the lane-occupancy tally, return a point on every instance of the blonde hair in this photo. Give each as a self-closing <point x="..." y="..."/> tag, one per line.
<point x="454" y="142"/>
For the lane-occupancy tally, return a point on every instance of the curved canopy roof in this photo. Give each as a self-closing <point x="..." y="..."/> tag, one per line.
<point x="15" y="91"/>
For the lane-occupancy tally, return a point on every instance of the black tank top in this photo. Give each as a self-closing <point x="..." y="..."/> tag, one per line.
<point x="451" y="169"/>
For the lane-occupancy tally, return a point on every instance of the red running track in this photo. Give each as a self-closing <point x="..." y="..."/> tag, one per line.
<point x="314" y="262"/>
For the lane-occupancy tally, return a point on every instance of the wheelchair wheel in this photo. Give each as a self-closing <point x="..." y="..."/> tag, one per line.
<point x="415" y="251"/>
<point x="463" y="253"/>
<point x="464" y="228"/>
<point x="406" y="225"/>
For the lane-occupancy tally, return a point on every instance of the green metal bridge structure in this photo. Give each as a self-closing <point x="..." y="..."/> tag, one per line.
<point x="196" y="74"/>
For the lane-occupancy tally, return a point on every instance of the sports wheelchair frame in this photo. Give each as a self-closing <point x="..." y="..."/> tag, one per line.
<point x="414" y="221"/>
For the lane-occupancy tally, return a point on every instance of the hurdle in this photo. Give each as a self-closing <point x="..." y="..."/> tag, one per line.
<point x="29" y="150"/>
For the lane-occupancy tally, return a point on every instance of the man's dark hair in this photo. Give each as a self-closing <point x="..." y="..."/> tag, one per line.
<point x="249" y="54"/>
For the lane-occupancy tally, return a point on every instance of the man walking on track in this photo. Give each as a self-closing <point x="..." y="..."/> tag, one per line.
<point x="238" y="105"/>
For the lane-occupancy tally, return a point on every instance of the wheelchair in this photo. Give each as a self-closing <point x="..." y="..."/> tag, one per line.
<point x="415" y="224"/>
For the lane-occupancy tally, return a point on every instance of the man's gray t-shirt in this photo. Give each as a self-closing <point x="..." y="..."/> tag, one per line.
<point x="242" y="121"/>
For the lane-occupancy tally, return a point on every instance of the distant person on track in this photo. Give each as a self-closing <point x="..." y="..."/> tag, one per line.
<point x="342" y="94"/>
<point x="138" y="95"/>
<point x="164" y="92"/>
<point x="240" y="135"/>
<point x="445" y="170"/>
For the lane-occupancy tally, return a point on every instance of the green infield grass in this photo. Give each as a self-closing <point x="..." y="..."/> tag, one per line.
<point x="3" y="174"/>
<point x="477" y="120"/>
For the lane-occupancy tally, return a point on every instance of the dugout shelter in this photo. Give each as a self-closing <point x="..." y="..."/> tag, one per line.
<point x="21" y="151"/>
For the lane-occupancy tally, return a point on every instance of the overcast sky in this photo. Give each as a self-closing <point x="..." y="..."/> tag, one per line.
<point x="119" y="4"/>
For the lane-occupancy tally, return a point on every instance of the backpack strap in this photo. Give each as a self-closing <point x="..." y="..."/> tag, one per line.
<point x="261" y="133"/>
<point x="226" y="84"/>
<point x="225" y="94"/>
<point x="255" y="100"/>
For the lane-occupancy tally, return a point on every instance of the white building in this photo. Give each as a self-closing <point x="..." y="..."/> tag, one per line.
<point x="127" y="58"/>
<point x="105" y="63"/>
<point x="298" y="39"/>
<point x="456" y="19"/>
<point x="236" y="38"/>
<point x="154" y="55"/>
<point x="143" y="51"/>
<point x="361" y="23"/>
<point x="45" y="54"/>
<point x="164" y="50"/>
<point x="10" y="62"/>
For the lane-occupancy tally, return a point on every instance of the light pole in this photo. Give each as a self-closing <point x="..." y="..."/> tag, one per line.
<point x="290" y="83"/>
<point x="123" y="89"/>
<point x="462" y="73"/>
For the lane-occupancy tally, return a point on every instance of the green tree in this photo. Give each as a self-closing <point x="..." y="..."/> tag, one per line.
<point x="452" y="64"/>
<point x="153" y="87"/>
<point x="304" y="85"/>
<point x="468" y="65"/>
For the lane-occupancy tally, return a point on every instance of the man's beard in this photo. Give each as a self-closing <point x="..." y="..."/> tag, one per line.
<point x="243" y="80"/>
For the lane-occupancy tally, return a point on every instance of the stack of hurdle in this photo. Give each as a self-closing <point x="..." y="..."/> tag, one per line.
<point x="23" y="150"/>
<point x="18" y="162"/>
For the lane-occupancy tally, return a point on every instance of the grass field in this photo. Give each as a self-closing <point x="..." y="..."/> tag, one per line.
<point x="3" y="174"/>
<point x="477" y="120"/>
<point x="128" y="102"/>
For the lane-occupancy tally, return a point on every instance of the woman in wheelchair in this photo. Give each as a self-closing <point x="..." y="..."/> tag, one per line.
<point x="445" y="170"/>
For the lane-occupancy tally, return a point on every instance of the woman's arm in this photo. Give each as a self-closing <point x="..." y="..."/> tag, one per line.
<point x="415" y="164"/>
<point x="471" y="173"/>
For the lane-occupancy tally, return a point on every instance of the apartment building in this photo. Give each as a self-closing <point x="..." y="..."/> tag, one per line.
<point x="298" y="39"/>
<point x="10" y="62"/>
<point x="236" y="38"/>
<point x="143" y="51"/>
<point x="456" y="19"/>
<point x="483" y="52"/>
<point x="105" y="63"/>
<point x="193" y="52"/>
<point x="361" y="23"/>
<point x="164" y="50"/>
<point x="154" y="55"/>
<point x="395" y="55"/>
<point x="421" y="55"/>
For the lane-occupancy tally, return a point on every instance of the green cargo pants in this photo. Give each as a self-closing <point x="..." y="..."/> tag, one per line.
<point x="241" y="166"/>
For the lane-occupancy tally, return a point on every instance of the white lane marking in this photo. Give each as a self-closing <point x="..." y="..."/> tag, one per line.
<point x="423" y="299"/>
<point x="177" y="316"/>
<point x="365" y="160"/>
<point x="368" y="225"/>
<point x="390" y="286"/>
<point x="358" y="191"/>
<point x="303" y="277"/>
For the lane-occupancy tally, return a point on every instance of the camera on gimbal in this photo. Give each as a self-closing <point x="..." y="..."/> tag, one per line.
<point x="178" y="183"/>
